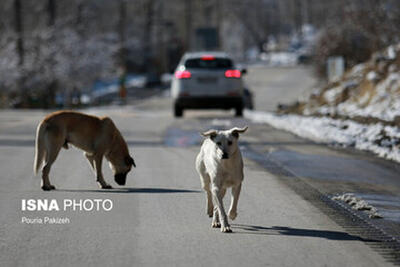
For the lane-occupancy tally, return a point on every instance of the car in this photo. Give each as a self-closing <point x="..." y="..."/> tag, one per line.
<point x="207" y="80"/>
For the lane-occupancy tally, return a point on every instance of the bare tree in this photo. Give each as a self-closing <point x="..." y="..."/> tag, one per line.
<point x="19" y="31"/>
<point x="188" y="24"/>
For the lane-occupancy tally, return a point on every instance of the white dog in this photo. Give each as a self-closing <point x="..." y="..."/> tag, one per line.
<point x="220" y="166"/>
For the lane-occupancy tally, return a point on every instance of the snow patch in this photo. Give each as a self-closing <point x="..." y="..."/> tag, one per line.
<point x="391" y="52"/>
<point x="331" y="95"/>
<point x="382" y="140"/>
<point x="280" y="58"/>
<point x="383" y="104"/>
<point x="357" y="203"/>
<point x="357" y="70"/>
<point x="370" y="89"/>
<point x="372" y="76"/>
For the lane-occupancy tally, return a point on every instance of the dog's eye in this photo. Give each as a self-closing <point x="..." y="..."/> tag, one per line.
<point x="219" y="143"/>
<point x="229" y="143"/>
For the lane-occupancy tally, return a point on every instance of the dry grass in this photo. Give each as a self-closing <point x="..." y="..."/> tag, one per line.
<point x="370" y="83"/>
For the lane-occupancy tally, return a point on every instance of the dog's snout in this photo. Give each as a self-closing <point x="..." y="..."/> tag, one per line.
<point x="120" y="178"/>
<point x="225" y="155"/>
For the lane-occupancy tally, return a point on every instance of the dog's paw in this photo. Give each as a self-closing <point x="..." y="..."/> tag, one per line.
<point x="48" y="187"/>
<point x="232" y="214"/>
<point x="215" y="224"/>
<point x="226" y="229"/>
<point x="106" y="186"/>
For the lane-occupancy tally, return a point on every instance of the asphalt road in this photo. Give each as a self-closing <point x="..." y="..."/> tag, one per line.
<point x="279" y="85"/>
<point x="158" y="218"/>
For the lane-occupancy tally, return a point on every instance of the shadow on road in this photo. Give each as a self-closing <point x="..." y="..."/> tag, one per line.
<point x="131" y="190"/>
<point x="31" y="143"/>
<point x="281" y="230"/>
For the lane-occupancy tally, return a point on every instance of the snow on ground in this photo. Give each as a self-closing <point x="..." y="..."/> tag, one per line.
<point x="358" y="204"/>
<point x="370" y="89"/>
<point x="382" y="140"/>
<point x="384" y="104"/>
<point x="286" y="59"/>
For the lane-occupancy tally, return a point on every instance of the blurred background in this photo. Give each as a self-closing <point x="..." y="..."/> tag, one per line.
<point x="66" y="53"/>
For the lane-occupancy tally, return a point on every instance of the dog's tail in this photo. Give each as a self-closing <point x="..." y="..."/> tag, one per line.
<point x="40" y="151"/>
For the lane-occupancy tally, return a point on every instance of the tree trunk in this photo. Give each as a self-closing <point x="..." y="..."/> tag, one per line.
<point x="188" y="23"/>
<point x="148" y="35"/>
<point x="19" y="31"/>
<point x="121" y="34"/>
<point x="52" y="86"/>
<point x="51" y="10"/>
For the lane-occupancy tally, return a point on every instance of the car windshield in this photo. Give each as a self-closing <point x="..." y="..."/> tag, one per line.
<point x="215" y="63"/>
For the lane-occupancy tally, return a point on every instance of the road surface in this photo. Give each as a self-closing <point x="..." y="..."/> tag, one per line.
<point x="279" y="85"/>
<point x="158" y="218"/>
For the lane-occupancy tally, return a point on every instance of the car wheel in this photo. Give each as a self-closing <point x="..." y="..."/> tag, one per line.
<point x="178" y="111"/>
<point x="239" y="112"/>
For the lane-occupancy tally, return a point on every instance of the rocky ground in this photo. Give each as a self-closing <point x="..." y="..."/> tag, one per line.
<point x="361" y="109"/>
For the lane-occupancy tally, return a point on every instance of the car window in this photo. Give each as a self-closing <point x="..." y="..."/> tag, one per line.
<point x="216" y="63"/>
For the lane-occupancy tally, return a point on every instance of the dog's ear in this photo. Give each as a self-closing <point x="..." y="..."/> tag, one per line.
<point x="210" y="133"/>
<point x="130" y="161"/>
<point x="235" y="131"/>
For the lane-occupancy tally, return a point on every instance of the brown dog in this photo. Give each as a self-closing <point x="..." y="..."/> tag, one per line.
<point x="98" y="137"/>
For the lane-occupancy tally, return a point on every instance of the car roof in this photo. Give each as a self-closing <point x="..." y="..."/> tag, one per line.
<point x="199" y="54"/>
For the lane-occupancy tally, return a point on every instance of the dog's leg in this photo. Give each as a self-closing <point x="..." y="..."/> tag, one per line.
<point x="210" y="205"/>
<point x="205" y="184"/>
<point x="218" y="194"/>
<point x="234" y="202"/>
<point x="99" y="175"/>
<point x="91" y="161"/>
<point x="51" y="156"/>
<point x="215" y="221"/>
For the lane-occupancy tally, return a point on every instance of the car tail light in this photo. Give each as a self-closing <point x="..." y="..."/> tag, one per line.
<point x="233" y="93"/>
<point x="184" y="94"/>
<point x="183" y="74"/>
<point x="207" y="57"/>
<point x="232" y="74"/>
